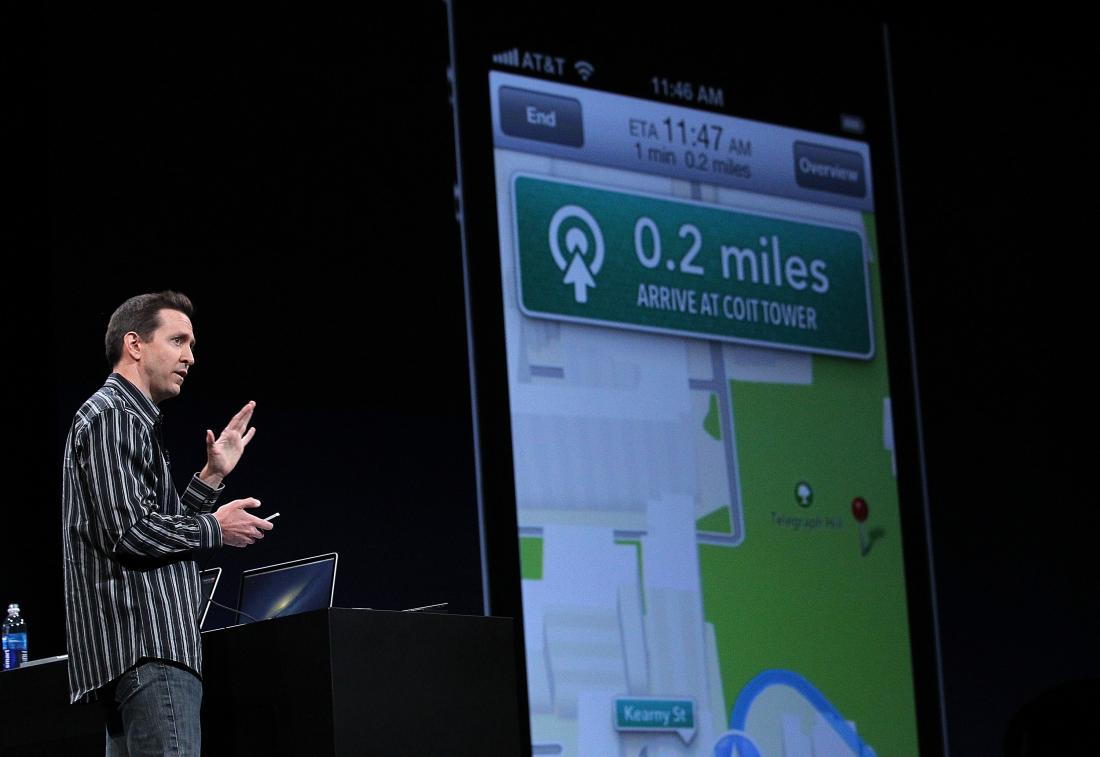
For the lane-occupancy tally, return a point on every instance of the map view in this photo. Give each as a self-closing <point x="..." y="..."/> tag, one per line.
<point x="707" y="506"/>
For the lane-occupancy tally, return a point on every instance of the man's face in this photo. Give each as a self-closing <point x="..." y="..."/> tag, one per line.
<point x="167" y="356"/>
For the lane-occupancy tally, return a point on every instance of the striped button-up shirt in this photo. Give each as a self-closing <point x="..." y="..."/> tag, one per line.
<point x="131" y="583"/>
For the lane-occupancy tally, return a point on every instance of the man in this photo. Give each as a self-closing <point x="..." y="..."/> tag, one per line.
<point x="132" y="599"/>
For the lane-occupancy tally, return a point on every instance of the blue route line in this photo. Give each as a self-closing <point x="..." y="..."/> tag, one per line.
<point x="768" y="678"/>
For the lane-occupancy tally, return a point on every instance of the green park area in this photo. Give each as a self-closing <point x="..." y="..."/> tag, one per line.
<point x="799" y="593"/>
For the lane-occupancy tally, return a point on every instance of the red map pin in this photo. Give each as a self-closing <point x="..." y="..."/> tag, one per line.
<point x="860" y="513"/>
<point x="859" y="509"/>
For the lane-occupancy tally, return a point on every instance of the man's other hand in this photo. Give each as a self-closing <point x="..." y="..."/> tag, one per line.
<point x="239" y="527"/>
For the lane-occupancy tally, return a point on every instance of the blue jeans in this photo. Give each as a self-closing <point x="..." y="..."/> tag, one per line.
<point x="153" y="709"/>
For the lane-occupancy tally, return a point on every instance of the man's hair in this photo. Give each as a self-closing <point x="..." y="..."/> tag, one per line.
<point x="141" y="314"/>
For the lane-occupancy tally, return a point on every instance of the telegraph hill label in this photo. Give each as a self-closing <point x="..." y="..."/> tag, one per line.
<point x="627" y="260"/>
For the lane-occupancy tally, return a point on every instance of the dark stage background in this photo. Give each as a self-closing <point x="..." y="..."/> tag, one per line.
<point x="291" y="171"/>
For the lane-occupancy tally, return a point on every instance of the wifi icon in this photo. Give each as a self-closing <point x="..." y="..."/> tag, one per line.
<point x="584" y="69"/>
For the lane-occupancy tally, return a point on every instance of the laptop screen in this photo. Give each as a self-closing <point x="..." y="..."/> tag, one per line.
<point x="209" y="581"/>
<point x="287" y="588"/>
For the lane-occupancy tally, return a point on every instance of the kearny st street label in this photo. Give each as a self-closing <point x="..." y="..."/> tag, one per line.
<point x="627" y="260"/>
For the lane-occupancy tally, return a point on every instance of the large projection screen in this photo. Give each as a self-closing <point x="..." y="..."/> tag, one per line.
<point x="699" y="398"/>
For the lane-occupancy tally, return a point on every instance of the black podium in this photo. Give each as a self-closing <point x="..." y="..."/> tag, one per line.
<point x="330" y="682"/>
<point x="358" y="682"/>
<point x="37" y="719"/>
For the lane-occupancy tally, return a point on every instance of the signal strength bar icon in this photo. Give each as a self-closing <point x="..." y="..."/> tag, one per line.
<point x="508" y="57"/>
<point x="584" y="69"/>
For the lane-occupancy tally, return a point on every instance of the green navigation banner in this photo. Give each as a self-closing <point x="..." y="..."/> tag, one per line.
<point x="635" y="261"/>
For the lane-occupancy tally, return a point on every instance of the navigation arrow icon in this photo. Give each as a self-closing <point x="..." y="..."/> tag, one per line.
<point x="580" y="278"/>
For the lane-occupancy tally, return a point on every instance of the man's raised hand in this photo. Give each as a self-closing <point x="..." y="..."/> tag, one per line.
<point x="224" y="451"/>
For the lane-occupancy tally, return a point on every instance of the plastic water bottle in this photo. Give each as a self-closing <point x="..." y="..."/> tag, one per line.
<point x="15" y="639"/>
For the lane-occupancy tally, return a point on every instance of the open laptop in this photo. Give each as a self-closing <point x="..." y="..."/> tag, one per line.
<point x="208" y="580"/>
<point x="287" y="588"/>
